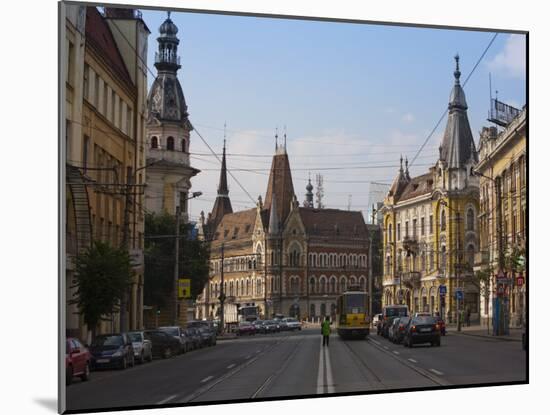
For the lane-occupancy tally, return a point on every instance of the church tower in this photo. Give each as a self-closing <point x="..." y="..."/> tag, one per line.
<point x="168" y="131"/>
<point x="222" y="205"/>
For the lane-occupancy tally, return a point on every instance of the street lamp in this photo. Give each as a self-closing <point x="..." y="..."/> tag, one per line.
<point x="176" y="265"/>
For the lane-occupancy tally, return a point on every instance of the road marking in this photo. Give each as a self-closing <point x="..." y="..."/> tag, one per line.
<point x="166" y="400"/>
<point x="396" y="352"/>
<point x="247" y="357"/>
<point x="321" y="372"/>
<point x="412" y="360"/>
<point x="386" y="347"/>
<point x="437" y="372"/>
<point x="375" y="341"/>
<point x="207" y="379"/>
<point x="258" y="351"/>
<point x="330" y="382"/>
<point x="231" y="365"/>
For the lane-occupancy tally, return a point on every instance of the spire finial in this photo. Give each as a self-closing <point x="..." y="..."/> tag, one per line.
<point x="457" y="69"/>
<point x="224" y="133"/>
<point x="401" y="164"/>
<point x="169" y="12"/>
<point x="276" y="137"/>
<point x="285" y="137"/>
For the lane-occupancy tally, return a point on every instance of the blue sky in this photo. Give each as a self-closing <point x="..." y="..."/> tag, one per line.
<point x="353" y="97"/>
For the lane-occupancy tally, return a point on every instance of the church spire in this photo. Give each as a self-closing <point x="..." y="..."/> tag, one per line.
<point x="167" y="59"/>
<point x="222" y="205"/>
<point x="222" y="186"/>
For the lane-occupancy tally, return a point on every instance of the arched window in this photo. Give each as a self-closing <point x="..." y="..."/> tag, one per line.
<point x="323" y="283"/>
<point x="443" y="258"/>
<point x="170" y="143"/>
<point x="183" y="147"/>
<point x="312" y="285"/>
<point x="323" y="310"/>
<point x="470" y="220"/>
<point x="312" y="310"/>
<point x="342" y="285"/>
<point x="443" y="221"/>
<point x="154" y="142"/>
<point x="362" y="283"/>
<point x="388" y="270"/>
<point x="390" y="233"/>
<point x="333" y="285"/>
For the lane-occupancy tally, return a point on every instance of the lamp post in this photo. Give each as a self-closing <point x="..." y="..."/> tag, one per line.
<point x="177" y="249"/>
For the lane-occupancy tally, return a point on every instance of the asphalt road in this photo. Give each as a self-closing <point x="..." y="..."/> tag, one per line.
<point x="289" y="364"/>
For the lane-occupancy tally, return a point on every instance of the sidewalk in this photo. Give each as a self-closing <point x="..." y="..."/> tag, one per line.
<point x="481" y="331"/>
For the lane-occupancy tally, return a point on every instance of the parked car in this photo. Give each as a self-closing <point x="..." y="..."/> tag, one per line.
<point x="195" y="338"/>
<point x="393" y="326"/>
<point x="77" y="360"/>
<point x="112" y="350"/>
<point x="258" y="325"/>
<point x="441" y="323"/>
<point x="399" y="332"/>
<point x="246" y="328"/>
<point x="390" y="311"/>
<point x="163" y="344"/>
<point x="422" y="314"/>
<point x="422" y="330"/>
<point x="292" y="324"/>
<point x="208" y="335"/>
<point x="271" y="326"/>
<point x="142" y="346"/>
<point x="178" y="333"/>
<point x="281" y="322"/>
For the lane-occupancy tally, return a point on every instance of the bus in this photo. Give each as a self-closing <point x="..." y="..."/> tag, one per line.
<point x="248" y="313"/>
<point x="352" y="317"/>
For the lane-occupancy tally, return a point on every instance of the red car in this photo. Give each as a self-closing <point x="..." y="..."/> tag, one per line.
<point x="77" y="360"/>
<point x="441" y="324"/>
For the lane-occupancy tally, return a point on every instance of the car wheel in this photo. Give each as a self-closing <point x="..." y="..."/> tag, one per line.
<point x="69" y="375"/>
<point x="86" y="375"/>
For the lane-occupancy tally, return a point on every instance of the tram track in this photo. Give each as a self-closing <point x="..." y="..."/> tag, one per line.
<point x="358" y="358"/>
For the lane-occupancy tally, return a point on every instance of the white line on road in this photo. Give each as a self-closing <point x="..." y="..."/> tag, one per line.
<point x="247" y="357"/>
<point x="330" y="382"/>
<point x="207" y="379"/>
<point x="321" y="372"/>
<point x="412" y="360"/>
<point x="374" y="341"/>
<point x="386" y="347"/>
<point x="396" y="352"/>
<point x="231" y="365"/>
<point x="166" y="400"/>
<point x="258" y="351"/>
<point x="437" y="372"/>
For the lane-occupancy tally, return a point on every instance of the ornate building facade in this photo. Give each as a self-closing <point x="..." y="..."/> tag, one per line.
<point x="503" y="164"/>
<point x="106" y="87"/>
<point x="168" y="131"/>
<point x="284" y="258"/>
<point x="430" y="230"/>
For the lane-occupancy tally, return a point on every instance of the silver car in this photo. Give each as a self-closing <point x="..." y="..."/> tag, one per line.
<point x="292" y="324"/>
<point x="142" y="347"/>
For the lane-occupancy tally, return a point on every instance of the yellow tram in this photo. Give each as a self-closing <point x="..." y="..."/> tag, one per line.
<point x="352" y="319"/>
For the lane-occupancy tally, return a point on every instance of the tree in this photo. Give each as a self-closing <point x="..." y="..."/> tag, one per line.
<point x="482" y="281"/>
<point x="103" y="274"/>
<point x="160" y="259"/>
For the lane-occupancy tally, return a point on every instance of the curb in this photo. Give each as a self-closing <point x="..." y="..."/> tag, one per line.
<point x="485" y="336"/>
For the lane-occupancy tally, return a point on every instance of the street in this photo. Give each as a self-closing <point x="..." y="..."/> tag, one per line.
<point x="289" y="364"/>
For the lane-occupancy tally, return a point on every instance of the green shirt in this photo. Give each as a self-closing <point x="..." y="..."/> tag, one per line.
<point x="325" y="328"/>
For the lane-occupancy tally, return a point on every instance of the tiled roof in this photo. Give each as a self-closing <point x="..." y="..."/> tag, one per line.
<point x="236" y="226"/>
<point x="417" y="186"/>
<point x="99" y="36"/>
<point x="333" y="222"/>
<point x="280" y="183"/>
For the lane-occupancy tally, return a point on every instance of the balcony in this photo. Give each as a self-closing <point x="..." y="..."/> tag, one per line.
<point x="410" y="243"/>
<point x="171" y="156"/>
<point x="167" y="58"/>
<point x="411" y="279"/>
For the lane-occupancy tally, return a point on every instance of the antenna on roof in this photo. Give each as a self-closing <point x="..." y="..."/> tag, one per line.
<point x="276" y="137"/>
<point x="285" y="137"/>
<point x="320" y="193"/>
<point x="349" y="202"/>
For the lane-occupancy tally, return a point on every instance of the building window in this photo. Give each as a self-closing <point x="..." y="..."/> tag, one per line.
<point x="154" y="142"/>
<point x="128" y="120"/>
<point x="406" y="229"/>
<point x="470" y="252"/>
<point x="86" y="81"/>
<point x="96" y="91"/>
<point x="431" y="224"/>
<point x="414" y="229"/>
<point x="113" y="105"/>
<point x="333" y="285"/>
<point x="85" y="151"/>
<point x="342" y="285"/>
<point x="183" y="202"/>
<point x="183" y="149"/>
<point x="70" y="68"/>
<point x="443" y="258"/>
<point x="398" y="231"/>
<point x="470" y="220"/>
<point x="390" y="236"/>
<point x="170" y="143"/>
<point x="443" y="221"/>
<point x="105" y="98"/>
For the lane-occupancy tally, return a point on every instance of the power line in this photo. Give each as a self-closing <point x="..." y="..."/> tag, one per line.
<point x="445" y="112"/>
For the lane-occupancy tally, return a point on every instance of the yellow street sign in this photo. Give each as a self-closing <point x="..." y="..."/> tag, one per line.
<point x="184" y="288"/>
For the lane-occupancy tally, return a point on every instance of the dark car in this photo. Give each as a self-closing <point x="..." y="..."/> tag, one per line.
<point x="388" y="313"/>
<point x="441" y="323"/>
<point x="195" y="337"/>
<point x="163" y="344"/>
<point x="422" y="330"/>
<point x="208" y="335"/>
<point x="112" y="350"/>
<point x="142" y="347"/>
<point x="246" y="328"/>
<point x="77" y="360"/>
<point x="401" y="327"/>
<point x="258" y="325"/>
<point x="178" y="333"/>
<point x="270" y="326"/>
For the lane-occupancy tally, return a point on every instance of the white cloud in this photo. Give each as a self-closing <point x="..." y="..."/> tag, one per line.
<point x="511" y="60"/>
<point x="408" y="117"/>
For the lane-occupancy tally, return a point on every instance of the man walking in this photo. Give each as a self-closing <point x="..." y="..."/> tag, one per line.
<point x="325" y="330"/>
